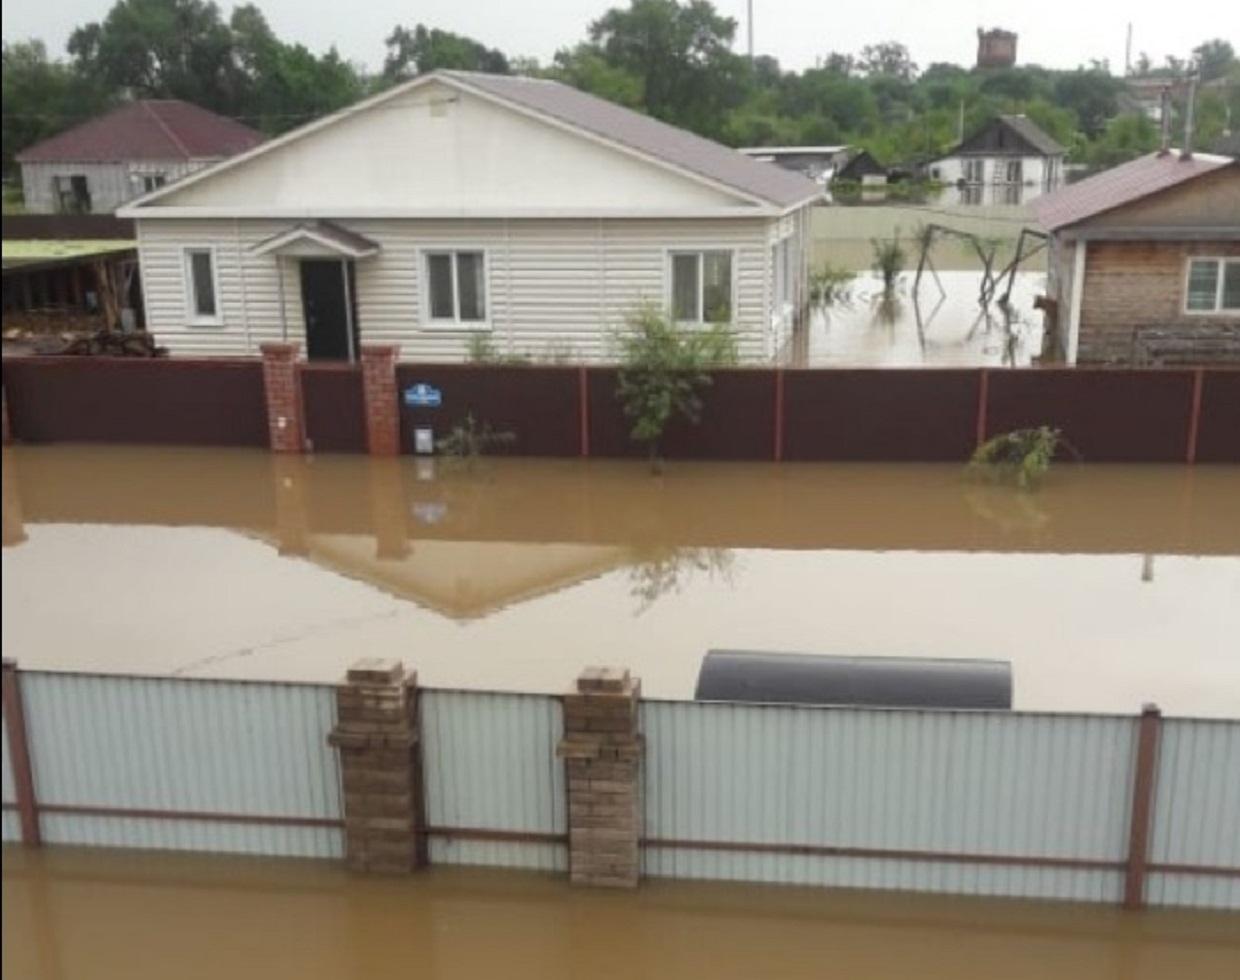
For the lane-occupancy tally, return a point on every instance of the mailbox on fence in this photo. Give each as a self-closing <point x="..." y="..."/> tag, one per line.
<point x="421" y="397"/>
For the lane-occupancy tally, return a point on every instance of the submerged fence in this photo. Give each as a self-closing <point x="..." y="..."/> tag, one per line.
<point x="926" y="415"/>
<point x="1088" y="808"/>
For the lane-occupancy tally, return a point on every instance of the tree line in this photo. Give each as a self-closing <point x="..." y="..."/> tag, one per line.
<point x="673" y="60"/>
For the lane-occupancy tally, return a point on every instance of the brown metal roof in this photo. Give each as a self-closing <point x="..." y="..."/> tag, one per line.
<point x="1121" y="185"/>
<point x="154" y="129"/>
<point x="646" y="135"/>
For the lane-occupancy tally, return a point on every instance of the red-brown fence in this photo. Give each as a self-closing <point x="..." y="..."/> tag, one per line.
<point x="1155" y="415"/>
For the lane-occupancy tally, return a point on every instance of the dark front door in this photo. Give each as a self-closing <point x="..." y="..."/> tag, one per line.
<point x="328" y="304"/>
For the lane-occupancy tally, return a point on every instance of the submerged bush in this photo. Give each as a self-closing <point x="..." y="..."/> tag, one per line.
<point x="1023" y="456"/>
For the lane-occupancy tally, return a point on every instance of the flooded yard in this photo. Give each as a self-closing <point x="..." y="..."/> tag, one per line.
<point x="83" y="915"/>
<point x="1110" y="587"/>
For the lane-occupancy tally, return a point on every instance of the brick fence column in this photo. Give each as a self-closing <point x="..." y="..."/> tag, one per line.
<point x="376" y="736"/>
<point x="382" y="406"/>
<point x="602" y="752"/>
<point x="285" y="424"/>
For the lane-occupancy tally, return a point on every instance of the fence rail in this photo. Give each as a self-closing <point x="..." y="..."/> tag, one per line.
<point x="1079" y="807"/>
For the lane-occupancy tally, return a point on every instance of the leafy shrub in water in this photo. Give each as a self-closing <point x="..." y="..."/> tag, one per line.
<point x="1023" y="456"/>
<point x="469" y="440"/>
<point x="830" y="285"/>
<point x="889" y="260"/>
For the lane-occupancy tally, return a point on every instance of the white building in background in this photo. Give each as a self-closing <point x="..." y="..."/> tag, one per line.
<point x="463" y="203"/>
<point x="1008" y="161"/>
<point x="132" y="150"/>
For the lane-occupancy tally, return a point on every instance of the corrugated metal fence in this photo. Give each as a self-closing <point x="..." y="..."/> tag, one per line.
<point x="986" y="803"/>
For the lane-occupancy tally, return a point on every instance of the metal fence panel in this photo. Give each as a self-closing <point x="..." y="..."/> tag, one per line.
<point x="1036" y="786"/>
<point x="196" y="747"/>
<point x="1197" y="813"/>
<point x="12" y="824"/>
<point x="490" y="764"/>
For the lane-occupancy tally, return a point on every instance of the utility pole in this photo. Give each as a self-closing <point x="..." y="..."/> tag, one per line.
<point x="749" y="25"/>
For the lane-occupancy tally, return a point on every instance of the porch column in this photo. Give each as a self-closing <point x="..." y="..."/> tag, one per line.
<point x="379" y="391"/>
<point x="602" y="752"/>
<point x="285" y="423"/>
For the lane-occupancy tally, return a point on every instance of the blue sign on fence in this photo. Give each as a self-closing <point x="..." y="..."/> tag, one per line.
<point x="423" y="396"/>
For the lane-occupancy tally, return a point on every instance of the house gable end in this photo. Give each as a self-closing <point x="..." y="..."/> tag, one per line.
<point x="435" y="147"/>
<point x="1211" y="200"/>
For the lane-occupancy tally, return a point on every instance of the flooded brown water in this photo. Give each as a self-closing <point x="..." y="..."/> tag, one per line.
<point x="99" y="915"/>
<point x="1108" y="588"/>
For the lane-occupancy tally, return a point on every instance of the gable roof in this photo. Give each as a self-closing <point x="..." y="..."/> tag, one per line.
<point x="1114" y="188"/>
<point x="152" y="129"/>
<point x="608" y="123"/>
<point x="646" y="135"/>
<point x="1022" y="127"/>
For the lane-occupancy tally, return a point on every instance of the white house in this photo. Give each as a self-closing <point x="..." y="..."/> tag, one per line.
<point x="125" y="153"/>
<point x="463" y="203"/>
<point x="1008" y="161"/>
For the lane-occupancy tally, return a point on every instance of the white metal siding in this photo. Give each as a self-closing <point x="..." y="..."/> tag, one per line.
<point x="1197" y="813"/>
<point x="12" y="823"/>
<point x="166" y="744"/>
<point x="110" y="184"/>
<point x="990" y="783"/>
<point x="490" y="763"/>
<point x="554" y="287"/>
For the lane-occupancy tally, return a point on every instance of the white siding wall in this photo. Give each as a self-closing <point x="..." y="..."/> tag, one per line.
<point x="553" y="286"/>
<point x="109" y="183"/>
<point x="1034" y="169"/>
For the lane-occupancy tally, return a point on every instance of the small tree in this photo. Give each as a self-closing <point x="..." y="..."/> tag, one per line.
<point x="665" y="367"/>
<point x="1022" y="456"/>
<point x="889" y="258"/>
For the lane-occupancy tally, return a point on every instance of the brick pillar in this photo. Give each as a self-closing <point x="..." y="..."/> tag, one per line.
<point x="379" y="390"/>
<point x="285" y="426"/>
<point x="602" y="752"/>
<point x="11" y="508"/>
<point x="292" y="526"/>
<point x="376" y="736"/>
<point x="388" y="509"/>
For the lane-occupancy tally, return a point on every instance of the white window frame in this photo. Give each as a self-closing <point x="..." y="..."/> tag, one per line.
<point x="967" y="166"/>
<point x="1222" y="261"/>
<point x="455" y="323"/>
<point x="192" y="316"/>
<point x="153" y="182"/>
<point x="669" y="277"/>
<point x="1017" y="164"/>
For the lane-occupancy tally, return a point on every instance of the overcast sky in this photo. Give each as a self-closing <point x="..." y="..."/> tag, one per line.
<point x="1055" y="33"/>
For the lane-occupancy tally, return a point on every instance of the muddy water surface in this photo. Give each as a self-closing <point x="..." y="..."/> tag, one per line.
<point x="1111" y="587"/>
<point x="81" y="915"/>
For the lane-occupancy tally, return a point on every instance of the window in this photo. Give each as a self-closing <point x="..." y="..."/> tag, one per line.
<point x="702" y="287"/>
<point x="153" y="182"/>
<point x="456" y="287"/>
<point x="1213" y="286"/>
<point x="974" y="171"/>
<point x="201" y="288"/>
<point x="1015" y="172"/>
<point x="72" y="194"/>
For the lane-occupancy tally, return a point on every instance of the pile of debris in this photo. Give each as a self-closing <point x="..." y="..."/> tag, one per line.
<point x="99" y="343"/>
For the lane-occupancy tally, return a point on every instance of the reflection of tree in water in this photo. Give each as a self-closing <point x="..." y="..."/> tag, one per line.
<point x="1007" y="509"/>
<point x="656" y="572"/>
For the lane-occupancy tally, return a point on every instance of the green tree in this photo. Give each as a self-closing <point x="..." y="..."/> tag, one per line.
<point x="1124" y="138"/>
<point x="1215" y="59"/>
<point x="423" y="49"/>
<point x="889" y="59"/>
<point x="682" y="56"/>
<point x="41" y="97"/>
<point x="1091" y="95"/>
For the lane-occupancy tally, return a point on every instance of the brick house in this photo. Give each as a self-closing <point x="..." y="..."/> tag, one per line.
<point x="1145" y="263"/>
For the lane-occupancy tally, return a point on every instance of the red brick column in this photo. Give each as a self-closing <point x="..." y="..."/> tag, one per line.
<point x="382" y="406"/>
<point x="380" y="767"/>
<point x="285" y="425"/>
<point x="602" y="752"/>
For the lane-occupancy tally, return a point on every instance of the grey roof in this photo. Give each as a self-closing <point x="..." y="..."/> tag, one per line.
<point x="1121" y="185"/>
<point x="1032" y="134"/>
<point x="646" y="135"/>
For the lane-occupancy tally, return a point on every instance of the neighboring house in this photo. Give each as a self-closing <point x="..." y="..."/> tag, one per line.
<point x="460" y="203"/>
<point x="130" y="151"/>
<point x="862" y="168"/>
<point x="1145" y="258"/>
<point x="818" y="163"/>
<point x="1007" y="161"/>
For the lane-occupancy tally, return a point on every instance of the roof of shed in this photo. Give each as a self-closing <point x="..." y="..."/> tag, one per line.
<point x="152" y="129"/>
<point x="1121" y="185"/>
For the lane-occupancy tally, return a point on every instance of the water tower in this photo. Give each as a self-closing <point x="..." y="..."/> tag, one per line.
<point x="996" y="48"/>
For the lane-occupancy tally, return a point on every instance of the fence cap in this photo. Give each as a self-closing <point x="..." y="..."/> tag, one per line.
<point x="604" y="680"/>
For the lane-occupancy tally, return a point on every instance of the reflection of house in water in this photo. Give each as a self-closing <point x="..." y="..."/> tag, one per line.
<point x="1008" y="161"/>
